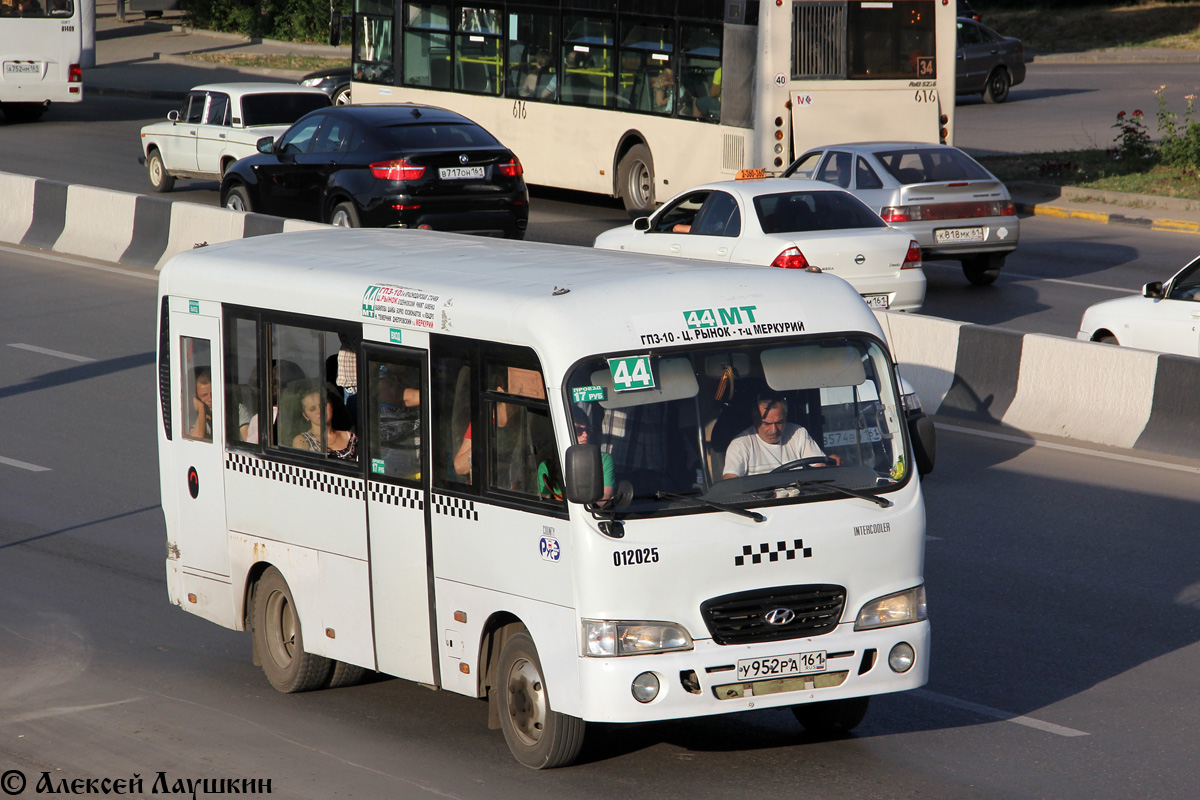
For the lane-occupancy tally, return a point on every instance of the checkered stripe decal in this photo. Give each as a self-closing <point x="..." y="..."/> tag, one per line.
<point x="765" y="552"/>
<point x="395" y="496"/>
<point x="297" y="476"/>
<point x="455" y="507"/>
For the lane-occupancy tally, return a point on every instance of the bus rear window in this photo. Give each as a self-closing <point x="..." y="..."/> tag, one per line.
<point x="864" y="40"/>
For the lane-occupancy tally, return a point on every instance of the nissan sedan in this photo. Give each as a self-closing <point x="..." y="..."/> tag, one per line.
<point x="1164" y="317"/>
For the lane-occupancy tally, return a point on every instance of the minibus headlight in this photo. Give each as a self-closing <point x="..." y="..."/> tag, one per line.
<point x="604" y="638"/>
<point x="900" y="608"/>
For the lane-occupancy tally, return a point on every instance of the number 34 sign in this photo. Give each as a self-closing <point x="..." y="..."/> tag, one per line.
<point x="631" y="373"/>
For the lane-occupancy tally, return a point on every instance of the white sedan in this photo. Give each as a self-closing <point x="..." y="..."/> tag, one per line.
<point x="1163" y="318"/>
<point x="218" y="124"/>
<point x="794" y="225"/>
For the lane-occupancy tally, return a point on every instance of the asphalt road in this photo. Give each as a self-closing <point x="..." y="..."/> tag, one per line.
<point x="1062" y="586"/>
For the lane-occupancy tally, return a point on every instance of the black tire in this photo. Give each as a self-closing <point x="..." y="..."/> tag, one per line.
<point x="156" y="171"/>
<point x="514" y="233"/>
<point x="635" y="181"/>
<point x="998" y="84"/>
<point x="278" y="639"/>
<point x="538" y="736"/>
<point x="342" y="96"/>
<point x="1108" y="338"/>
<point x="344" y="674"/>
<point x="832" y="717"/>
<point x="238" y="199"/>
<point x="983" y="270"/>
<point x="344" y="215"/>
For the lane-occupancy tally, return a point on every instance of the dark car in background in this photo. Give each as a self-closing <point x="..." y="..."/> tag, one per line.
<point x="405" y="166"/>
<point x="334" y="82"/>
<point x="986" y="62"/>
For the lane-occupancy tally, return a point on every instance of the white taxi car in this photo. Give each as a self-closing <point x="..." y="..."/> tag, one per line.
<point x="793" y="225"/>
<point x="218" y="124"/>
<point x="1165" y="318"/>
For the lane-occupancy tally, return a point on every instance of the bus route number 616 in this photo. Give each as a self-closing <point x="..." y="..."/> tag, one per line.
<point x="518" y="109"/>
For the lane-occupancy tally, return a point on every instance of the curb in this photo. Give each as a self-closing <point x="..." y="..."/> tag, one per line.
<point x="1149" y="223"/>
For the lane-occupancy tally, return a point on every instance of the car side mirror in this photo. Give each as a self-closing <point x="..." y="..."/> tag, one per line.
<point x="585" y="474"/>
<point x="641" y="224"/>
<point x="173" y="116"/>
<point x="266" y="145"/>
<point x="1153" y="290"/>
<point x="924" y="442"/>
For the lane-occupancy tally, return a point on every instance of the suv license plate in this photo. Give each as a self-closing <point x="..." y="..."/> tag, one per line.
<point x="877" y="300"/>
<point x="749" y="669"/>
<point x="458" y="173"/>
<point x="951" y="235"/>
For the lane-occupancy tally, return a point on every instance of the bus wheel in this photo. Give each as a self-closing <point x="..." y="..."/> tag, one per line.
<point x="160" y="179"/>
<point x="344" y="216"/>
<point x="278" y="640"/>
<point x="983" y="270"/>
<point x="537" y="735"/>
<point x="344" y="674"/>
<point x="635" y="180"/>
<point x="832" y="717"/>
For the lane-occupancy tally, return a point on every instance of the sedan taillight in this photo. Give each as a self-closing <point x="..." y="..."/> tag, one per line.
<point x="932" y="212"/>
<point x="399" y="170"/>
<point x="913" y="259"/>
<point x="791" y="258"/>
<point x="511" y="168"/>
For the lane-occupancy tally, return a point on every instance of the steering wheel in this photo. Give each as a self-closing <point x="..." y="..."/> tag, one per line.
<point x="811" y="461"/>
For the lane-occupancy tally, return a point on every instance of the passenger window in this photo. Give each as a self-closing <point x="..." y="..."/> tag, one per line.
<point x="372" y="61"/>
<point x="453" y="398"/>
<point x="311" y="415"/>
<point x="587" y="65"/>
<point x="1187" y="285"/>
<point x="700" y="72"/>
<point x="647" y="80"/>
<point x="477" y="56"/>
<point x="806" y="166"/>
<point x="864" y="176"/>
<point x="218" y="109"/>
<point x="679" y="217"/>
<point x="300" y="138"/>
<point x="395" y="416"/>
<point x="532" y="56"/>
<point x="523" y="457"/>
<point x="719" y="216"/>
<point x="242" y="389"/>
<point x="332" y="137"/>
<point x="836" y="170"/>
<point x="196" y="362"/>
<point x="427" y="46"/>
<point x="193" y="109"/>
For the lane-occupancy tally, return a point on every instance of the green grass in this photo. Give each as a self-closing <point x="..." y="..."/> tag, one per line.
<point x="1095" y="169"/>
<point x="1152" y="23"/>
<point x="297" y="63"/>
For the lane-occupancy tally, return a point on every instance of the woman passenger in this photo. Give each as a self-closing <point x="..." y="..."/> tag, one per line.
<point x="342" y="444"/>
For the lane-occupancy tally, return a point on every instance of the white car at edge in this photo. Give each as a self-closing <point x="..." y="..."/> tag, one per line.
<point x="793" y="224"/>
<point x="218" y="124"/>
<point x="1165" y="318"/>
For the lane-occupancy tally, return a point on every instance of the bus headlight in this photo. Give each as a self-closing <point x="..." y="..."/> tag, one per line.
<point x="605" y="638"/>
<point x="900" y="608"/>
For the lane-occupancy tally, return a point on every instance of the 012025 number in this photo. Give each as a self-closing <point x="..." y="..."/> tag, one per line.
<point x="641" y="555"/>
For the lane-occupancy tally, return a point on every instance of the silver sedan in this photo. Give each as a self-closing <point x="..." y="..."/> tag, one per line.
<point x="939" y="195"/>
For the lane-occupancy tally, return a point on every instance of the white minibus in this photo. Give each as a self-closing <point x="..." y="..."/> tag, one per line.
<point x="586" y="486"/>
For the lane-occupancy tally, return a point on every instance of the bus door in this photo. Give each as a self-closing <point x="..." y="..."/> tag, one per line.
<point x="197" y="452"/>
<point x="392" y="411"/>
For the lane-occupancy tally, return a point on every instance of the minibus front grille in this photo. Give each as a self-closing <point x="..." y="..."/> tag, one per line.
<point x="778" y="613"/>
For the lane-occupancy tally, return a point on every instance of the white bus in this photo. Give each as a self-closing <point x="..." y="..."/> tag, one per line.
<point x="644" y="100"/>
<point x="507" y="470"/>
<point x="40" y="46"/>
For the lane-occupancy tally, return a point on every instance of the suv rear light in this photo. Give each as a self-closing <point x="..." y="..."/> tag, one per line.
<point x="913" y="259"/>
<point x="399" y="170"/>
<point x="511" y="168"/>
<point x="791" y="258"/>
<point x="74" y="74"/>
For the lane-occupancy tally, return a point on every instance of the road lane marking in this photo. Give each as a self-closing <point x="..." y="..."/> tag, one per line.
<point x="1063" y="281"/>
<point x="64" y="710"/>
<point x="1066" y="448"/>
<point x="48" y="352"/>
<point x="12" y="462"/>
<point x="995" y="713"/>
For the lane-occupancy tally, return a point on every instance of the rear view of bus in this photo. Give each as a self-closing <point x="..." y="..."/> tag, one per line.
<point x="40" y="45"/>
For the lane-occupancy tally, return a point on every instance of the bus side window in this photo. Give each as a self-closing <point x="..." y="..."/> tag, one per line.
<point x="395" y="416"/>
<point x="523" y="455"/>
<point x="452" y="391"/>
<point x="196" y="363"/>
<point x="242" y="389"/>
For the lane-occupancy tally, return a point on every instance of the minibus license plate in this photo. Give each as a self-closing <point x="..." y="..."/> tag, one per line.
<point x="749" y="669"/>
<point x="22" y="68"/>
<point x="458" y="173"/>
<point x="876" y="300"/>
<point x="950" y="235"/>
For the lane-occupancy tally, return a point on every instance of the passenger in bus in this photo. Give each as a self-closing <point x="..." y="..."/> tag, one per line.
<point x="770" y="442"/>
<point x="283" y="373"/>
<point x="202" y="405"/>
<point x="540" y="83"/>
<point x="28" y="8"/>
<point x="583" y="435"/>
<point x="340" y="444"/>
<point x="709" y="105"/>
<point x="663" y="87"/>
<point x="399" y="422"/>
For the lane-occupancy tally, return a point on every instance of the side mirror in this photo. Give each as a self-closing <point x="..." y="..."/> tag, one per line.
<point x="641" y="224"/>
<point x="266" y="145"/>
<point x="1153" y="290"/>
<point x="924" y="442"/>
<point x="173" y="116"/>
<point x="585" y="474"/>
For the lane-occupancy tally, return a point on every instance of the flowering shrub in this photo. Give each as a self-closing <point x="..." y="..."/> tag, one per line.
<point x="1180" y="145"/>
<point x="1133" y="138"/>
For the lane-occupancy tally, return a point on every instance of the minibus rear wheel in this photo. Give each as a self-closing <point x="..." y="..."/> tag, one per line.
<point x="278" y="639"/>
<point x="832" y="717"/>
<point x="537" y="735"/>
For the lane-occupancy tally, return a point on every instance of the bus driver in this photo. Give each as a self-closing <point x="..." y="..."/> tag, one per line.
<point x="771" y="442"/>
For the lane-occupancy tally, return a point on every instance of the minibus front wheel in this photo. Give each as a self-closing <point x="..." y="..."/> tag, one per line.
<point x="538" y="736"/>
<point x="278" y="640"/>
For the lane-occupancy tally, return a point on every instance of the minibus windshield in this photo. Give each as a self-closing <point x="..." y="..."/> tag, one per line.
<point x="751" y="424"/>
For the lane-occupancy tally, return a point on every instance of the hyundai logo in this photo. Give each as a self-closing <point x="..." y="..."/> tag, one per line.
<point x="860" y="259"/>
<point x="463" y="159"/>
<point x="779" y="616"/>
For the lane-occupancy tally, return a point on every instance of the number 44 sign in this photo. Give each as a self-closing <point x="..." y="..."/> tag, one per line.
<point x="631" y="373"/>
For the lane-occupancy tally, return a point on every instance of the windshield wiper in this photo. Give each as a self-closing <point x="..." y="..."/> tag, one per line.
<point x="882" y="502"/>
<point x="699" y="501"/>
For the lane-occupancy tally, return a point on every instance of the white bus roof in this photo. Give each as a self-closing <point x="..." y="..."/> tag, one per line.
<point x="565" y="302"/>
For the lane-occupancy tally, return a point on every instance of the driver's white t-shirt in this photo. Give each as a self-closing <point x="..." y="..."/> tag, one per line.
<point x="748" y="454"/>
